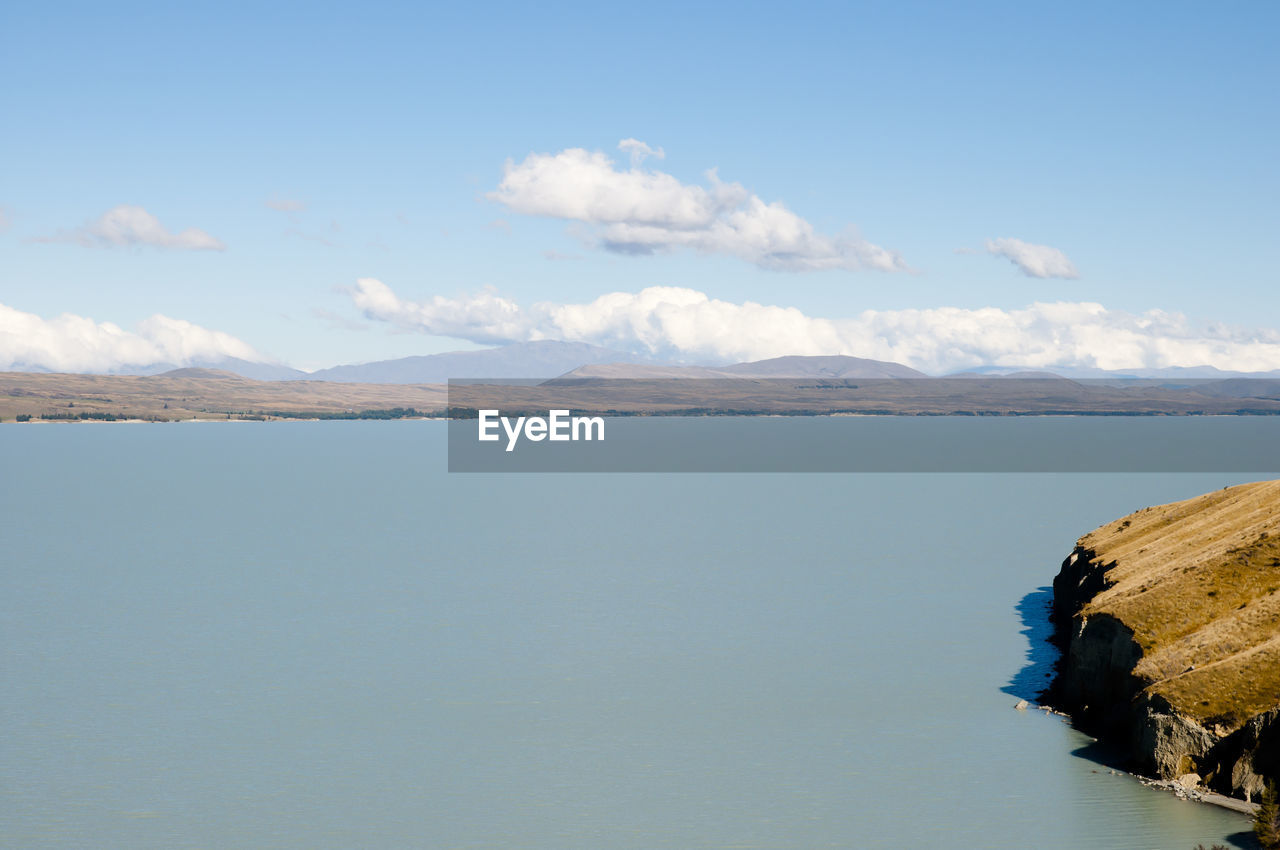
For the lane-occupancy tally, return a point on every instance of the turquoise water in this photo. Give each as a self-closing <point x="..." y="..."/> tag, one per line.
<point x="309" y="635"/>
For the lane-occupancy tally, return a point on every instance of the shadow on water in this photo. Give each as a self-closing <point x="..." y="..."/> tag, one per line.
<point x="1037" y="673"/>
<point x="1102" y="754"/>
<point x="1034" y="678"/>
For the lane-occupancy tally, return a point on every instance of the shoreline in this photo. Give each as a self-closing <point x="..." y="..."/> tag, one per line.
<point x="737" y="414"/>
<point x="1181" y="707"/>
<point x="220" y="419"/>
<point x="1194" y="793"/>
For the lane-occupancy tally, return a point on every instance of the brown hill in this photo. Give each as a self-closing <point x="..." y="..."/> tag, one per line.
<point x="199" y="394"/>
<point x="1171" y="623"/>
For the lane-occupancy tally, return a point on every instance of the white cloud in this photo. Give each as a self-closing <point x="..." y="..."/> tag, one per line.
<point x="685" y="324"/>
<point x="482" y="317"/>
<point x="286" y="205"/>
<point x="132" y="225"/>
<point x="638" y="211"/>
<point x="70" y="343"/>
<point x="639" y="151"/>
<point x="6" y="220"/>
<point x="1034" y="260"/>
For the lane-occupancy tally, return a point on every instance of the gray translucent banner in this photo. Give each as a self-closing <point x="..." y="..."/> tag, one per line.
<point x="1029" y="423"/>
<point x="1096" y="444"/>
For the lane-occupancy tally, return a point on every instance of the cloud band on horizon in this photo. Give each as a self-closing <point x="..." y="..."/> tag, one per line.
<point x="687" y="325"/>
<point x="71" y="343"/>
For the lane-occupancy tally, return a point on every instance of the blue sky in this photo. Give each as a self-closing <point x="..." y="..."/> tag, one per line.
<point x="1137" y="141"/>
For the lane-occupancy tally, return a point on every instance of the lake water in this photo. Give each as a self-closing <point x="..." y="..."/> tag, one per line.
<point x="310" y="635"/>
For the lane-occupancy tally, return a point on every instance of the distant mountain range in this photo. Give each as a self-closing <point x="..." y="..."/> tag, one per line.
<point x="243" y="368"/>
<point x="782" y="386"/>
<point x="833" y="367"/>
<point x="538" y="360"/>
<point x="579" y="361"/>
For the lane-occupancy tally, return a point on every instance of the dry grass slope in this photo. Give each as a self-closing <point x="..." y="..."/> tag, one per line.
<point x="199" y="394"/>
<point x="209" y="394"/>
<point x="1198" y="582"/>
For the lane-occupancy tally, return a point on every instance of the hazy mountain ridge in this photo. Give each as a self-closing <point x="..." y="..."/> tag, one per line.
<point x="829" y="367"/>
<point x="569" y="360"/>
<point x="837" y="366"/>
<point x="236" y="366"/>
<point x="548" y="359"/>
<point x="544" y="359"/>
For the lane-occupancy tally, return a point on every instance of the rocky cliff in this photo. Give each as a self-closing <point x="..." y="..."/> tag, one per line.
<point x="1169" y="624"/>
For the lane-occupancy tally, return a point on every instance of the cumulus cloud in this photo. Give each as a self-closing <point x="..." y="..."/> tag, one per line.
<point x="1033" y="260"/>
<point x="132" y="225"/>
<point x="684" y="324"/>
<point x="70" y="343"/>
<point x="481" y="317"/>
<point x="639" y="211"/>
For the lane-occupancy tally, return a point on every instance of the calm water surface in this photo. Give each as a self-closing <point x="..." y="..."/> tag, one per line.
<point x="309" y="635"/>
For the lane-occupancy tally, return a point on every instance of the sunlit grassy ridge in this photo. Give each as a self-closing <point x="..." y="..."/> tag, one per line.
<point x="1198" y="582"/>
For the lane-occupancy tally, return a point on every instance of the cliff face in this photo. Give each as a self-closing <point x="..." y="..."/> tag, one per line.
<point x="1169" y="622"/>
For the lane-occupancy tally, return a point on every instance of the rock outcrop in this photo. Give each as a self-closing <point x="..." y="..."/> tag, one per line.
<point x="1169" y="624"/>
